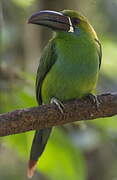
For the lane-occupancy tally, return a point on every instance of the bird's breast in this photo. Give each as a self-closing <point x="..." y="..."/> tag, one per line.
<point x="73" y="75"/>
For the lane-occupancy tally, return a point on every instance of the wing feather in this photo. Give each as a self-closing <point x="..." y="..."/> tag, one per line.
<point x="47" y="60"/>
<point x="99" y="52"/>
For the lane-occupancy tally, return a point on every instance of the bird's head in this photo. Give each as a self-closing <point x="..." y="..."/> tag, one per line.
<point x="67" y="20"/>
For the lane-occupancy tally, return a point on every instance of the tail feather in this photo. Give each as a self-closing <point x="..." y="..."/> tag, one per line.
<point x="38" y="146"/>
<point x="31" y="168"/>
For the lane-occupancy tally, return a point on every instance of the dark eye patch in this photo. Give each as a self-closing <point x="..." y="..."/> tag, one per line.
<point x="75" y="21"/>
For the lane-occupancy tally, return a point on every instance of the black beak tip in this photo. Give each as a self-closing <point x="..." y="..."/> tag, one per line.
<point x="31" y="19"/>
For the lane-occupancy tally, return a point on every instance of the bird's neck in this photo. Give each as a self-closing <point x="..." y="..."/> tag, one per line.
<point x="71" y="47"/>
<point x="78" y="38"/>
<point x="79" y="32"/>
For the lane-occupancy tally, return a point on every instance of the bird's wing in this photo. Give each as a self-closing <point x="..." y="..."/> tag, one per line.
<point x="47" y="60"/>
<point x="99" y="51"/>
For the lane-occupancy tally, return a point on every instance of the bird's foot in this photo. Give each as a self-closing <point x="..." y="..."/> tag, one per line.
<point x="95" y="100"/>
<point x="58" y="103"/>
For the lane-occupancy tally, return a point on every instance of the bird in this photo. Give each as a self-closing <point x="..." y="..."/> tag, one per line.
<point x="68" y="68"/>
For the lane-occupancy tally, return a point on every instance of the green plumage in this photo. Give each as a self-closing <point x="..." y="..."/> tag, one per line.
<point x="69" y="65"/>
<point x="75" y="69"/>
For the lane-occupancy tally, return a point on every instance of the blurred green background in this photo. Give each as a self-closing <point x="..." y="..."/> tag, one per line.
<point x="72" y="153"/>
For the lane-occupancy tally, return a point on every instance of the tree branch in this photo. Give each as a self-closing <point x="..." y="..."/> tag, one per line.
<point x="49" y="115"/>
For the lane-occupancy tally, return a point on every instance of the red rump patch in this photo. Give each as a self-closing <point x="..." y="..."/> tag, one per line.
<point x="31" y="168"/>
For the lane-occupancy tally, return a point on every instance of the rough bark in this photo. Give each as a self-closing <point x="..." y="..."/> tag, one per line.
<point x="45" y="116"/>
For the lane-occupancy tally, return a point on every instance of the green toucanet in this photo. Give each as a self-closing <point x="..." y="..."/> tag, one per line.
<point x="68" y="68"/>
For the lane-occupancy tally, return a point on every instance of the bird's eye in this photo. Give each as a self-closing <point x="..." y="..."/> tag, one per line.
<point x="75" y="21"/>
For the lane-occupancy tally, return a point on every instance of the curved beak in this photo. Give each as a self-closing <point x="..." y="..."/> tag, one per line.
<point x="51" y="19"/>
